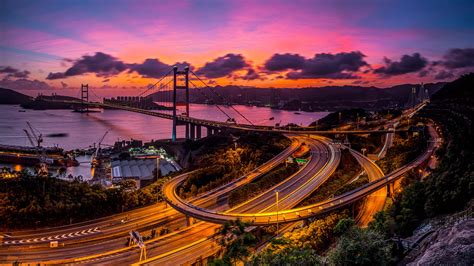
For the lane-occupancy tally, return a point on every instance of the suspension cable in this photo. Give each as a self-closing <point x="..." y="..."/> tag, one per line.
<point x="212" y="90"/>
<point x="202" y="93"/>
<point x="151" y="87"/>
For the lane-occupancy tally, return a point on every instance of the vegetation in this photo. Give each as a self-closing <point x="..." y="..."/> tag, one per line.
<point x="358" y="246"/>
<point x="31" y="201"/>
<point x="236" y="242"/>
<point x="348" y="168"/>
<point x="263" y="183"/>
<point x="370" y="143"/>
<point x="311" y="241"/>
<point x="404" y="150"/>
<point x="287" y="256"/>
<point x="338" y="118"/>
<point x="232" y="161"/>
<point x="450" y="186"/>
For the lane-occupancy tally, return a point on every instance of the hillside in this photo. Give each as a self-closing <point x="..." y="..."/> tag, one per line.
<point x="8" y="96"/>
<point x="310" y="99"/>
<point x="43" y="102"/>
<point x="430" y="220"/>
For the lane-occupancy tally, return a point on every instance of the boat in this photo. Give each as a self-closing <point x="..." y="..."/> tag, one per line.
<point x="21" y="111"/>
<point x="57" y="135"/>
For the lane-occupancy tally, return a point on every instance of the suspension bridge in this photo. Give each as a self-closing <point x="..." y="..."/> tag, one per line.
<point x="171" y="94"/>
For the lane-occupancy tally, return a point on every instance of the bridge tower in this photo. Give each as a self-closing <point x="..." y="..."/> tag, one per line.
<point x="179" y="85"/>
<point x="412" y="98"/>
<point x="84" y="97"/>
<point x="423" y="94"/>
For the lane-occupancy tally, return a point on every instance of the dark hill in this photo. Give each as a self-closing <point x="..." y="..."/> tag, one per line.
<point x="331" y="98"/>
<point x="8" y="96"/>
<point x="43" y="102"/>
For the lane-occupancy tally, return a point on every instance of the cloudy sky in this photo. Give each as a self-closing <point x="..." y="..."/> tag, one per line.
<point x="115" y="44"/>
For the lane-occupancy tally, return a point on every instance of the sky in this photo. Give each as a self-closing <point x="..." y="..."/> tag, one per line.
<point x="131" y="44"/>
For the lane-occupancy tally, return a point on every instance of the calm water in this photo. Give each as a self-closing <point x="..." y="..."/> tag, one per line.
<point x="85" y="129"/>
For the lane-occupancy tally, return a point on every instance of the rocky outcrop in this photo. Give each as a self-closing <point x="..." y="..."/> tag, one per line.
<point x="450" y="244"/>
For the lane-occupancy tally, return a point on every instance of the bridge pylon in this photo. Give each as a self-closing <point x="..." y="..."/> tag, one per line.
<point x="179" y="85"/>
<point x="84" y="97"/>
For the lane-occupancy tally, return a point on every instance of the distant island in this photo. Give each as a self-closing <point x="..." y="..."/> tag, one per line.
<point x="8" y="96"/>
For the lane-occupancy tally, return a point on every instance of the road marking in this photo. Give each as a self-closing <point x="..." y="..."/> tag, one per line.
<point x="56" y="237"/>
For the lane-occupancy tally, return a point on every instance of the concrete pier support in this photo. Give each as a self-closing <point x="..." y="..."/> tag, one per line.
<point x="189" y="220"/>
<point x="187" y="131"/>
<point x="192" y="134"/>
<point x="389" y="190"/>
<point x="209" y="131"/>
<point x="198" y="132"/>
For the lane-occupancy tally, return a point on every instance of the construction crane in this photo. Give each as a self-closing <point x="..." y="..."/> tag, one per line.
<point x="94" y="161"/>
<point x="35" y="142"/>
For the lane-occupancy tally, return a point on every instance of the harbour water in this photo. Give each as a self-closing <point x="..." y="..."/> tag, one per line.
<point x="82" y="130"/>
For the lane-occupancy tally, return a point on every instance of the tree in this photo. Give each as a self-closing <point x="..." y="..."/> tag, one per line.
<point x="287" y="256"/>
<point x="383" y="224"/>
<point x="236" y="241"/>
<point x="361" y="247"/>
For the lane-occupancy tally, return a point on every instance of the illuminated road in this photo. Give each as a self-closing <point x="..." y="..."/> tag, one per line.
<point x="168" y="246"/>
<point x="324" y="161"/>
<point x="375" y="201"/>
<point x="110" y="232"/>
<point x="299" y="213"/>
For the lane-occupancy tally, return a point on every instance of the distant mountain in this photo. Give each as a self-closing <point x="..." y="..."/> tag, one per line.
<point x="308" y="99"/>
<point x="8" y="96"/>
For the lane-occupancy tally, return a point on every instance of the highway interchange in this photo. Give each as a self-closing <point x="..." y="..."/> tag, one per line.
<point x="104" y="240"/>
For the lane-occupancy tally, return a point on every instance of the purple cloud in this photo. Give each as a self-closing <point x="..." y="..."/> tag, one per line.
<point x="407" y="64"/>
<point x="154" y="68"/>
<point x="324" y="65"/>
<point x="443" y="74"/>
<point x="102" y="64"/>
<point x="150" y="68"/>
<point x="223" y="66"/>
<point x="24" y="84"/>
<point x="279" y="62"/>
<point x="13" y="72"/>
<point x="459" y="58"/>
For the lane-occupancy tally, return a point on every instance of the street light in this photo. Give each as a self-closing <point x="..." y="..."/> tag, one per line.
<point x="276" y="195"/>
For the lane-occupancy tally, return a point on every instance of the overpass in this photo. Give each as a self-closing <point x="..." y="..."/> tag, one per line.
<point x="291" y="215"/>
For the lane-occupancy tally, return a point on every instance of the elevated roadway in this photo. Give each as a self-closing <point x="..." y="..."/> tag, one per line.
<point x="323" y="162"/>
<point x="185" y="236"/>
<point x="290" y="215"/>
<point x="111" y="229"/>
<point x="216" y="124"/>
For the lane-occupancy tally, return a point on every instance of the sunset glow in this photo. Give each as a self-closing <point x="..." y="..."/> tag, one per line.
<point x="49" y="38"/>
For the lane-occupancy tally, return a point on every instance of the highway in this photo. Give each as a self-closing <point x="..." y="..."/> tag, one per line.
<point x="324" y="160"/>
<point x="260" y="210"/>
<point x="110" y="232"/>
<point x="189" y="237"/>
<point x="375" y="201"/>
<point x="291" y="215"/>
